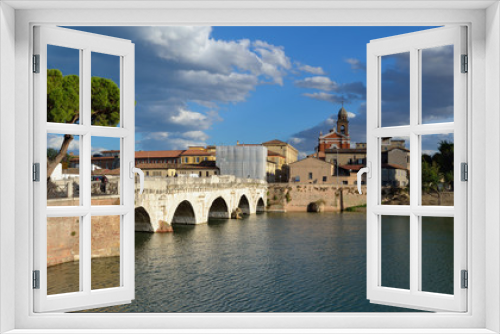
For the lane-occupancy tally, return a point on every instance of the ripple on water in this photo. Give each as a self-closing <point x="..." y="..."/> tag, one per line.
<point x="275" y="262"/>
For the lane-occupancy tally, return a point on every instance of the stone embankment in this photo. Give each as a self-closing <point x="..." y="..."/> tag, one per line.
<point x="63" y="233"/>
<point x="302" y="197"/>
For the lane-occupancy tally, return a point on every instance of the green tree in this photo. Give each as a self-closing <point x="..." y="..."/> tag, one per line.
<point x="444" y="159"/>
<point x="431" y="177"/>
<point x="63" y="106"/>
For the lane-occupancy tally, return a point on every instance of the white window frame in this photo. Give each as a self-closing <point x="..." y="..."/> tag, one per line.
<point x="413" y="44"/>
<point x="483" y="20"/>
<point x="85" y="44"/>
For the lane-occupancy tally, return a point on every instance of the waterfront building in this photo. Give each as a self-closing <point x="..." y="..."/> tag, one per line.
<point x="337" y="138"/>
<point x="311" y="170"/>
<point x="197" y="154"/>
<point x="287" y="153"/>
<point x="158" y="157"/>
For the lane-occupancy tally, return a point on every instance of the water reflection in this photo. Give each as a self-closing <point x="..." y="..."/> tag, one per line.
<point x="295" y="262"/>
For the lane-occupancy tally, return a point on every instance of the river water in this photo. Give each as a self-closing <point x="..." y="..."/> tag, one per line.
<point x="274" y="262"/>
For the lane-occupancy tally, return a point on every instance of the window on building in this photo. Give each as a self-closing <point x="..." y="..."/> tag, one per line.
<point x="197" y="159"/>
<point x="310" y="176"/>
<point x="324" y="178"/>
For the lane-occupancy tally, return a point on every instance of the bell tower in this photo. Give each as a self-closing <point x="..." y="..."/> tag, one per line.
<point x="343" y="122"/>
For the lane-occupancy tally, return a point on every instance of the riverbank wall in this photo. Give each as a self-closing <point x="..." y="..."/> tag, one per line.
<point x="63" y="233"/>
<point x="297" y="197"/>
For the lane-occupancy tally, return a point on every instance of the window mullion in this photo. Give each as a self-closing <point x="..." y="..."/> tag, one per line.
<point x="414" y="181"/>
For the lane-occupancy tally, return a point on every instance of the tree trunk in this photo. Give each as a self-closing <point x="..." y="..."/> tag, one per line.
<point x="51" y="165"/>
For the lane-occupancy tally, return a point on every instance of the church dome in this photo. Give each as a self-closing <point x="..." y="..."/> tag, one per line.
<point x="342" y="114"/>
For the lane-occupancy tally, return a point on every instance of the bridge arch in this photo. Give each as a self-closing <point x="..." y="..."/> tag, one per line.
<point x="184" y="214"/>
<point x="260" y="206"/>
<point x="219" y="209"/>
<point x="244" y="205"/>
<point x="143" y="220"/>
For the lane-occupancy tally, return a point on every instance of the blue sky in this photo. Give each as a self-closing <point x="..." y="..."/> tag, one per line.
<point x="219" y="85"/>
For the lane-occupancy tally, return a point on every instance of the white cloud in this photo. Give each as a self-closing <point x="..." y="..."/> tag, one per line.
<point x="193" y="47"/>
<point x="351" y="114"/>
<point x="186" y="117"/>
<point x="295" y="140"/>
<point x="317" y="82"/>
<point x="322" y="96"/>
<point x="356" y="64"/>
<point x="311" y="69"/>
<point x="55" y="142"/>
<point x="196" y="135"/>
<point x="302" y="155"/>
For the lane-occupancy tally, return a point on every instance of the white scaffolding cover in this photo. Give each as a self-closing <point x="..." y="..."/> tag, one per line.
<point x="242" y="161"/>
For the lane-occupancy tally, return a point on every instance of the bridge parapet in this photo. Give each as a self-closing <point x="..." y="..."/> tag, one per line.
<point x="172" y="200"/>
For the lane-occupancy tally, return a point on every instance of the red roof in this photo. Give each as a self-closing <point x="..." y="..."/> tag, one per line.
<point x="393" y="166"/>
<point x="174" y="166"/>
<point x="352" y="167"/>
<point x="273" y="154"/>
<point x="197" y="153"/>
<point x="158" y="154"/>
<point x="274" y="142"/>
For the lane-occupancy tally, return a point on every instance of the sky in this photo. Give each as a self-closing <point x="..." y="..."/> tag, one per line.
<point x="199" y="85"/>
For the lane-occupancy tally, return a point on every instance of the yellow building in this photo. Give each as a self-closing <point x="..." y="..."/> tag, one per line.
<point x="288" y="151"/>
<point x="197" y="154"/>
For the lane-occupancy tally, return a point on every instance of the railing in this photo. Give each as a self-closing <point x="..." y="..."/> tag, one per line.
<point x="197" y="184"/>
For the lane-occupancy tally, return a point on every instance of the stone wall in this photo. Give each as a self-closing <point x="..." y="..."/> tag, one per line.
<point x="63" y="234"/>
<point x="289" y="197"/>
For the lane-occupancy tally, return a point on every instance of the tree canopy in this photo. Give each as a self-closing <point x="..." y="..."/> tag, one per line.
<point x="63" y="106"/>
<point x="63" y="102"/>
<point x="438" y="169"/>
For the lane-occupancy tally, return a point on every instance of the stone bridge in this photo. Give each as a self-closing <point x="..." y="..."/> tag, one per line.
<point x="189" y="200"/>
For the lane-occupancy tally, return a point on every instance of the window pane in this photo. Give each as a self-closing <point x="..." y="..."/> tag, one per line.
<point x="105" y="252"/>
<point x="437" y="254"/>
<point x="437" y="170"/>
<point x="437" y="84"/>
<point x="63" y="170"/>
<point x="395" y="89"/>
<point x="105" y="183"/>
<point x="105" y="90"/>
<point x="395" y="252"/>
<point x="63" y="246"/>
<point x="395" y="170"/>
<point x="63" y="85"/>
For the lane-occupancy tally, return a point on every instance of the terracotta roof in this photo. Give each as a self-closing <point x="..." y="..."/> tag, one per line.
<point x="274" y="142"/>
<point x="158" y="154"/>
<point x="197" y="153"/>
<point x="174" y="166"/>
<point x="273" y="154"/>
<point x="352" y="167"/>
<point x="346" y="150"/>
<point x="111" y="151"/>
<point x="333" y="133"/>
<point x="102" y="158"/>
<point x="393" y="166"/>
<point x="397" y="148"/>
<point x="311" y="157"/>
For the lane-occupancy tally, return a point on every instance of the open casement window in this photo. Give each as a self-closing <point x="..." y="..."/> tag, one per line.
<point x="417" y="143"/>
<point x="80" y="216"/>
